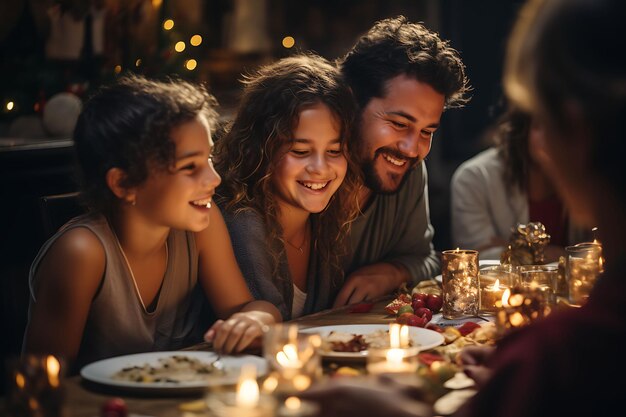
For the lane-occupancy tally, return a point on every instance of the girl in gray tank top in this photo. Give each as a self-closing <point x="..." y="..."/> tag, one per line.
<point x="136" y="272"/>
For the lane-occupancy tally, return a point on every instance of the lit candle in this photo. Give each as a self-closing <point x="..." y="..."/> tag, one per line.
<point x="294" y="407"/>
<point x="398" y="335"/>
<point x="245" y="402"/>
<point x="489" y="295"/>
<point x="393" y="360"/>
<point x="52" y="368"/>
<point x="247" y="387"/>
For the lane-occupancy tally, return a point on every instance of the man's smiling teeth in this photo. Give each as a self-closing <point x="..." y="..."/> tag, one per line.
<point x="204" y="203"/>
<point x="314" y="185"/>
<point x="396" y="162"/>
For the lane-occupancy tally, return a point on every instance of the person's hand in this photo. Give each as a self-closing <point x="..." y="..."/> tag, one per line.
<point x="369" y="282"/>
<point x="372" y="397"/>
<point x="473" y="359"/>
<point x="237" y="332"/>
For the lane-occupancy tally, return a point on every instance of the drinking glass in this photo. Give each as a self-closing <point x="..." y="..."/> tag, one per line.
<point x="293" y="356"/>
<point x="540" y="279"/>
<point x="583" y="265"/>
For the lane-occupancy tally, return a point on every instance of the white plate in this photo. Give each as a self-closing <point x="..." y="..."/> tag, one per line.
<point x="101" y="372"/>
<point x="424" y="338"/>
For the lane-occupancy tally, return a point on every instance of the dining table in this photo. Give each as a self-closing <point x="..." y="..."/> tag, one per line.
<point x="83" y="398"/>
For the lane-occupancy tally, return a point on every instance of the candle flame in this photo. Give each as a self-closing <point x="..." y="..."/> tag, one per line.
<point x="288" y="357"/>
<point x="404" y="336"/>
<point x="394" y="335"/>
<point x="53" y="367"/>
<point x="496" y="286"/>
<point x="247" y="387"/>
<point x="505" y="297"/>
<point x="292" y="403"/>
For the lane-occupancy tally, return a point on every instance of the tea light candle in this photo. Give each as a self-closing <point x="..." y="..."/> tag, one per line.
<point x="491" y="294"/>
<point x="520" y="308"/>
<point x="246" y="401"/>
<point x="393" y="360"/>
<point x="294" y="407"/>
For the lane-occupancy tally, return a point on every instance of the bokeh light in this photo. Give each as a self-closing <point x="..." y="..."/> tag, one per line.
<point x="289" y="42"/>
<point x="168" y="24"/>
<point x="180" y="46"/>
<point x="191" y="64"/>
<point x="195" y="40"/>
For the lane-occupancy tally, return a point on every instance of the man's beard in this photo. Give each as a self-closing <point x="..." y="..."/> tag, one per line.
<point x="374" y="182"/>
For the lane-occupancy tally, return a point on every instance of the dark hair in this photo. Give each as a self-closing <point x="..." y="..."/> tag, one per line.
<point x="554" y="61"/>
<point x="247" y="155"/>
<point x="395" y="46"/>
<point x="128" y="124"/>
<point x="510" y="135"/>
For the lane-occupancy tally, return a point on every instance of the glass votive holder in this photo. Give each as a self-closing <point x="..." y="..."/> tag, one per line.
<point x="35" y="386"/>
<point x="293" y="356"/>
<point x="494" y="280"/>
<point x="392" y="360"/>
<point x="226" y="404"/>
<point x="246" y="401"/>
<point x="583" y="265"/>
<point x="459" y="274"/>
<point x="541" y="279"/>
<point x="520" y="307"/>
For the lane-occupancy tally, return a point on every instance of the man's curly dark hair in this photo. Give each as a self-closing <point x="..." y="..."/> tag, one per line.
<point x="395" y="46"/>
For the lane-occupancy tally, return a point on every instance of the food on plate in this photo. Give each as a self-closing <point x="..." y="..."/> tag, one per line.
<point x="350" y="342"/>
<point x="175" y="368"/>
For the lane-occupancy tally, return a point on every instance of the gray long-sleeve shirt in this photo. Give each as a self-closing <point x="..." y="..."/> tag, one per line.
<point x="396" y="228"/>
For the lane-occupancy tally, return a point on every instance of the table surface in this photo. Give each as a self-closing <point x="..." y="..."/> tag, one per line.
<point x="85" y="400"/>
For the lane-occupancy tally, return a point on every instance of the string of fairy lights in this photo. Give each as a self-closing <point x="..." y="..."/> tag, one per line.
<point x="181" y="49"/>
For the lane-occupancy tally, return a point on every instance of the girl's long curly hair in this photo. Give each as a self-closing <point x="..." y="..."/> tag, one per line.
<point x="247" y="155"/>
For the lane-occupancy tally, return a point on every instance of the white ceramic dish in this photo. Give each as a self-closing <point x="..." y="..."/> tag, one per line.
<point x="101" y="372"/>
<point x="424" y="338"/>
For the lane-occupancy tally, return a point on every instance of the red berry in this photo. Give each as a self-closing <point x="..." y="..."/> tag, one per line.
<point x="115" y="407"/>
<point x="434" y="302"/>
<point x="425" y="313"/>
<point x="403" y="318"/>
<point x="416" y="321"/>
<point x="418" y="303"/>
<point x="419" y="296"/>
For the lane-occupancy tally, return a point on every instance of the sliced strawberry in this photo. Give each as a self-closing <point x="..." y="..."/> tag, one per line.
<point x="468" y="327"/>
